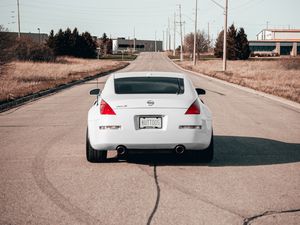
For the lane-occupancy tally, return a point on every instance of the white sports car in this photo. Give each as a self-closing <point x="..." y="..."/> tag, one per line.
<point x="148" y="110"/>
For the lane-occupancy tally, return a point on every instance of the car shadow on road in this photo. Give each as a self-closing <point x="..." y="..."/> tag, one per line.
<point x="230" y="151"/>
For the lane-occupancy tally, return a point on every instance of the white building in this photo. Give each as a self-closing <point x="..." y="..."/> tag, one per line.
<point x="276" y="42"/>
<point x="131" y="45"/>
<point x="278" y="34"/>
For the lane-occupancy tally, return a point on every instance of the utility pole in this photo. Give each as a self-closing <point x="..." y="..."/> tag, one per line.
<point x="174" y="41"/>
<point x="195" y="34"/>
<point x="19" y="29"/>
<point x="181" y="47"/>
<point x="183" y="30"/>
<point x="264" y="33"/>
<point x="134" y="39"/>
<point x="167" y="38"/>
<point x="155" y="46"/>
<point x="225" y="32"/>
<point x="39" y="35"/>
<point x="225" y="37"/>
<point x="208" y="37"/>
<point x="170" y="40"/>
<point x="163" y="40"/>
<point x="169" y="35"/>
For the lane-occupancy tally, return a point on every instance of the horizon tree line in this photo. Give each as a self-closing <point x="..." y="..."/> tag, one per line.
<point x="72" y="43"/>
<point x="237" y="44"/>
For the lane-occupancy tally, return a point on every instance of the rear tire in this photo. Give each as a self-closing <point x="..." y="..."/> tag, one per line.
<point x="208" y="153"/>
<point x="205" y="155"/>
<point x="93" y="155"/>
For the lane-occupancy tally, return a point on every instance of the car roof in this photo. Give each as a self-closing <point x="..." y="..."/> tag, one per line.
<point x="148" y="74"/>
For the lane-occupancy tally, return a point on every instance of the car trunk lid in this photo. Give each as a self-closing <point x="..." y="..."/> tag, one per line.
<point x="136" y="101"/>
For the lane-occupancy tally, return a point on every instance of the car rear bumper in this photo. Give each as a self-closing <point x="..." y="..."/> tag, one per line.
<point x="191" y="139"/>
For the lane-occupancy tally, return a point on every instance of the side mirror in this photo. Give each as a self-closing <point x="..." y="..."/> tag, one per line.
<point x="200" y="91"/>
<point x="95" y="91"/>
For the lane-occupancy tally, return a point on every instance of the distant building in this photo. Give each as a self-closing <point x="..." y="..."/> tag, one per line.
<point x="35" y="37"/>
<point x="278" y="34"/>
<point x="272" y="42"/>
<point x="130" y="45"/>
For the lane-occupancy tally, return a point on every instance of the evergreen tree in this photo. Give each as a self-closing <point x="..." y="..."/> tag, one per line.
<point x="68" y="43"/>
<point x="243" y="50"/>
<point x="104" y="38"/>
<point x="59" y="45"/>
<point x="89" y="51"/>
<point x="218" y="51"/>
<point x="237" y="44"/>
<point x="231" y="43"/>
<point x="50" y="41"/>
<point x="72" y="43"/>
<point x="75" y="43"/>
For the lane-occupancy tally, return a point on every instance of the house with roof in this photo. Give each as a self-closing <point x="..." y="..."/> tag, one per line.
<point x="275" y="42"/>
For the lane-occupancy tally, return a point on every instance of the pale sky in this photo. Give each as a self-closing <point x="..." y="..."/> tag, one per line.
<point x="119" y="18"/>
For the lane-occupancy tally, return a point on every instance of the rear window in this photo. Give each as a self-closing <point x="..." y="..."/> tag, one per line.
<point x="149" y="85"/>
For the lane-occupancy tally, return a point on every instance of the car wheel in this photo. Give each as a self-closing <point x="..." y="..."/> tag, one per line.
<point x="205" y="155"/>
<point x="124" y="156"/>
<point x="93" y="155"/>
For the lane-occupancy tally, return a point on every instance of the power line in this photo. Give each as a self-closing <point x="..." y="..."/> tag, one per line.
<point x="154" y="10"/>
<point x="6" y="5"/>
<point x="247" y="4"/>
<point x="242" y="5"/>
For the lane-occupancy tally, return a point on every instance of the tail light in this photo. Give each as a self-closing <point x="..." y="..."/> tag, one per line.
<point x="105" y="109"/>
<point x="194" y="108"/>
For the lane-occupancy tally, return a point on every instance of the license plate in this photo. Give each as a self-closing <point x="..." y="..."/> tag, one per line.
<point x="150" y="123"/>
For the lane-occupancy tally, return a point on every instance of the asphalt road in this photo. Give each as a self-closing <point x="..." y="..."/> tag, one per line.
<point x="254" y="178"/>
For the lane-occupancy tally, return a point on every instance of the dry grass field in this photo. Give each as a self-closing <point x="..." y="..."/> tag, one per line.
<point x="279" y="77"/>
<point x="18" y="79"/>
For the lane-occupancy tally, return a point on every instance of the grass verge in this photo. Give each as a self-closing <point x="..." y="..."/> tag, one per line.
<point x="279" y="77"/>
<point x="19" y="79"/>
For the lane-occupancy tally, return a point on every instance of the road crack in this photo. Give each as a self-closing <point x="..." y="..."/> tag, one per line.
<point x="248" y="221"/>
<point x="157" y="196"/>
<point x="169" y="182"/>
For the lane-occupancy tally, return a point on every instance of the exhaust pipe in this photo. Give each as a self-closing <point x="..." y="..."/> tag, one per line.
<point x="122" y="150"/>
<point x="179" y="149"/>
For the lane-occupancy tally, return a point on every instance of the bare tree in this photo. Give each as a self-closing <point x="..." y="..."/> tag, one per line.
<point x="202" y="43"/>
<point x="103" y="44"/>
